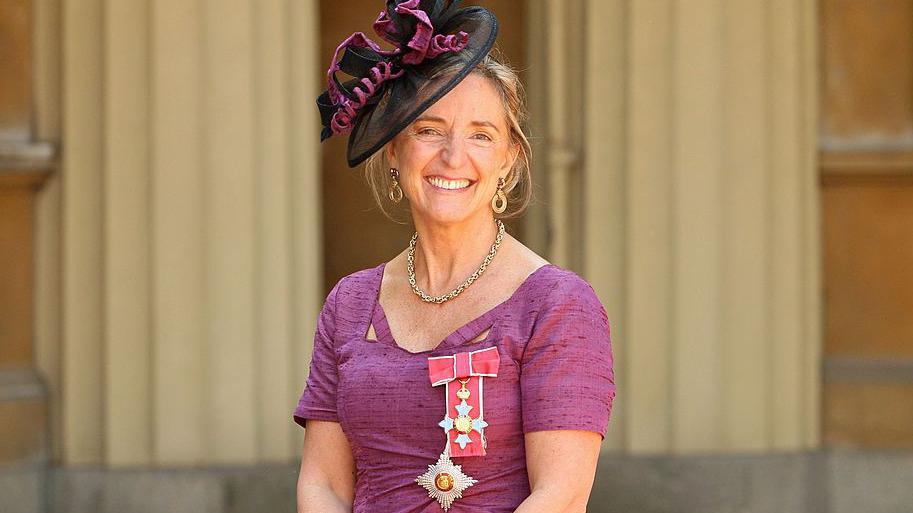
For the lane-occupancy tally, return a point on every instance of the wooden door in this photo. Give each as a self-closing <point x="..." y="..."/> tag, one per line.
<point x="24" y="164"/>
<point x="867" y="193"/>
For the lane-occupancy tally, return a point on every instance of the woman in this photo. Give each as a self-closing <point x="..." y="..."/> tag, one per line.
<point x="467" y="373"/>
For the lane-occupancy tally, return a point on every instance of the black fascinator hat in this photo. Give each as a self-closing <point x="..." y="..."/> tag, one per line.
<point x="391" y="88"/>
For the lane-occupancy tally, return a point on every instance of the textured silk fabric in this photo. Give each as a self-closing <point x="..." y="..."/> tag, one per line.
<point x="555" y="373"/>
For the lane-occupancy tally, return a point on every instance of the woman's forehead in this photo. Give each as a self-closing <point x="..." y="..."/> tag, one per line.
<point x="475" y="100"/>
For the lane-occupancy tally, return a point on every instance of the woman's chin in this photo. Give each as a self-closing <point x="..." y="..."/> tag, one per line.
<point x="446" y="213"/>
<point x="446" y="207"/>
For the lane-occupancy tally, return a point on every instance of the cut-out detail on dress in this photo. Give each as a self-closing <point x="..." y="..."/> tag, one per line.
<point x="372" y="335"/>
<point x="481" y="336"/>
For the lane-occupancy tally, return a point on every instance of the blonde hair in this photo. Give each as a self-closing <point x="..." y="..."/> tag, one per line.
<point x="518" y="183"/>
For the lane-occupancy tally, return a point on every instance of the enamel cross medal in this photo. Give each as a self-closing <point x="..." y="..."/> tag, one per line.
<point x="463" y="422"/>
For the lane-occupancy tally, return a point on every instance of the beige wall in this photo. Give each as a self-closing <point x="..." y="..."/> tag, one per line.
<point x="684" y="188"/>
<point x="179" y="248"/>
<point x="189" y="264"/>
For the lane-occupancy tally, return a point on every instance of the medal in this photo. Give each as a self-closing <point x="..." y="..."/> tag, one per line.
<point x="445" y="481"/>
<point x="463" y="422"/>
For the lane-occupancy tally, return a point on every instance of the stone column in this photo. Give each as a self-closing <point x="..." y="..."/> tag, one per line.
<point x="698" y="201"/>
<point x="191" y="233"/>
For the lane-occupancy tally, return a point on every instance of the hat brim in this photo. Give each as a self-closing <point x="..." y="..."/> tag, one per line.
<point x="407" y="97"/>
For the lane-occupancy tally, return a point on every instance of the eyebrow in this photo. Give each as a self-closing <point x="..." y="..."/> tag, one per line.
<point x="436" y="119"/>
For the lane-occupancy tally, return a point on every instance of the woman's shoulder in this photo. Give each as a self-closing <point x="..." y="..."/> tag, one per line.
<point x="560" y="286"/>
<point x="361" y="278"/>
<point x="549" y="285"/>
<point x="356" y="287"/>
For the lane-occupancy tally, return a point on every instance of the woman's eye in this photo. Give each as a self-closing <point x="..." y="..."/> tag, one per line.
<point x="427" y="131"/>
<point x="483" y="137"/>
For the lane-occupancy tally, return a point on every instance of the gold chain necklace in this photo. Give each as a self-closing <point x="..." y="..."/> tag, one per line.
<point x="453" y="293"/>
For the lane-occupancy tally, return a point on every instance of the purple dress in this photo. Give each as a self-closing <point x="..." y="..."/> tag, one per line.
<point x="555" y="372"/>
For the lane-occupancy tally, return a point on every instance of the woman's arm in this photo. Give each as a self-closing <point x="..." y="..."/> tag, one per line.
<point x="561" y="465"/>
<point x="326" y="481"/>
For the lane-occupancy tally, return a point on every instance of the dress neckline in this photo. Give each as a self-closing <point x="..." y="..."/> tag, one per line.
<point x="458" y="336"/>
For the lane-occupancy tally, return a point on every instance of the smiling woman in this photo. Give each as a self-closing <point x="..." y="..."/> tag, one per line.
<point x="505" y="81"/>
<point x="449" y="377"/>
<point x="450" y="161"/>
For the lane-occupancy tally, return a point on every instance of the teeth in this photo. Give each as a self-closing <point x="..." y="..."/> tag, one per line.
<point x="448" y="184"/>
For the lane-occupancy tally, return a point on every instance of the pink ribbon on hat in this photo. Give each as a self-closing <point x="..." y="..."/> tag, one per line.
<point x="423" y="45"/>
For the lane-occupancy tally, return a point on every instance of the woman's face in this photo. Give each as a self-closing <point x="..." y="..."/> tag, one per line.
<point x="450" y="158"/>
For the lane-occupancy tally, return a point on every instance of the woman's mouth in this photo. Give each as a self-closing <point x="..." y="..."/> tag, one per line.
<point x="449" y="184"/>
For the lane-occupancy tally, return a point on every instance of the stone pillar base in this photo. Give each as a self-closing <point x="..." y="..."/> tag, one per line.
<point x="23" y="417"/>
<point x="813" y="482"/>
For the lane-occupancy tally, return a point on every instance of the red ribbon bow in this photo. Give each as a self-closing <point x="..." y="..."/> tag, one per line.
<point x="483" y="362"/>
<point x="464" y="429"/>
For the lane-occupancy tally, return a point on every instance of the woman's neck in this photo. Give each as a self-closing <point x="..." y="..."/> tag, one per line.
<point x="446" y="254"/>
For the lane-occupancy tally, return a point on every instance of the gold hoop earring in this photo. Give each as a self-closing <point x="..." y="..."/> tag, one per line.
<point x="395" y="192"/>
<point x="499" y="201"/>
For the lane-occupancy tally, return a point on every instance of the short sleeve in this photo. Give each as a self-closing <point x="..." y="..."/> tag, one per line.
<point x="318" y="401"/>
<point x="567" y="379"/>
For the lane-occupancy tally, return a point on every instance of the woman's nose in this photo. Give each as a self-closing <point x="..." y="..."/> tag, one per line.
<point x="454" y="151"/>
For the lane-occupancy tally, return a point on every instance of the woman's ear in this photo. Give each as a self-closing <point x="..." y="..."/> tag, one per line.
<point x="513" y="155"/>
<point x="390" y="154"/>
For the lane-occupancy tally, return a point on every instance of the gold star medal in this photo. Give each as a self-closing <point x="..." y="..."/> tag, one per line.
<point x="445" y="481"/>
